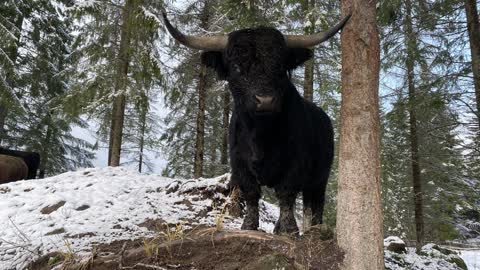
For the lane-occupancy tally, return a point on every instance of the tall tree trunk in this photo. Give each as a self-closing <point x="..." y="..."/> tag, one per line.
<point x="12" y="52"/>
<point x="225" y="124"/>
<point x="474" y="34"/>
<point x="118" y="108"/>
<point x="202" y="92"/>
<point x="200" y="132"/>
<point x="359" y="210"/>
<point x="417" y="183"/>
<point x="308" y="72"/>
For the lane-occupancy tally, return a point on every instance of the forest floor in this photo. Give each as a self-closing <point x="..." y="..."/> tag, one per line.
<point x="113" y="218"/>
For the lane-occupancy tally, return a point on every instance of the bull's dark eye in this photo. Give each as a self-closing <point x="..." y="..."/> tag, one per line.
<point x="237" y="68"/>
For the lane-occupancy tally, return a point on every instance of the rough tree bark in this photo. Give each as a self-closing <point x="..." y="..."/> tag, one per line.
<point x="473" y="27"/>
<point x="225" y="124"/>
<point x="359" y="210"/>
<point x="416" y="178"/>
<point x="308" y="72"/>
<point x="202" y="92"/>
<point x="118" y="108"/>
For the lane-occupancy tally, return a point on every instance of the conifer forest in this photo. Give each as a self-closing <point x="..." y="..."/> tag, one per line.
<point x="80" y="79"/>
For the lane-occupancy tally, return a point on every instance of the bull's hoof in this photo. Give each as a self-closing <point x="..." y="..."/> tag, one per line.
<point x="249" y="225"/>
<point x="250" y="222"/>
<point x="286" y="227"/>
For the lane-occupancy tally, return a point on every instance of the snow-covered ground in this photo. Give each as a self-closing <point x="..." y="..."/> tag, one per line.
<point x="99" y="206"/>
<point x="77" y="209"/>
<point x="431" y="257"/>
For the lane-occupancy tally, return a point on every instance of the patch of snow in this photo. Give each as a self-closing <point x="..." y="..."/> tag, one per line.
<point x="429" y="258"/>
<point x="392" y="239"/>
<point x="471" y="258"/>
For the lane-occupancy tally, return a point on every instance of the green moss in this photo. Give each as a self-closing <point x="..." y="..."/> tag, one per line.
<point x="444" y="250"/>
<point x="459" y="262"/>
<point x="54" y="260"/>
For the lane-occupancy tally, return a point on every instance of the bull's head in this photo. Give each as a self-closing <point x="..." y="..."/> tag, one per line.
<point x="255" y="62"/>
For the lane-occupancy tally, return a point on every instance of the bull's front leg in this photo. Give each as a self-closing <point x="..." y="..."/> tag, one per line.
<point x="286" y="223"/>
<point x="250" y="189"/>
<point x="251" y="192"/>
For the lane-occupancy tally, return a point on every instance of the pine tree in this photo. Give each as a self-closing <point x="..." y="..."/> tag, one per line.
<point x="125" y="37"/>
<point x="42" y="80"/>
<point x="411" y="48"/>
<point x="12" y="15"/>
<point x="426" y="59"/>
<point x="193" y="137"/>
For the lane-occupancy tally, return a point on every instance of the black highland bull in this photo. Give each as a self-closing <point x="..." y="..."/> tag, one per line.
<point x="276" y="138"/>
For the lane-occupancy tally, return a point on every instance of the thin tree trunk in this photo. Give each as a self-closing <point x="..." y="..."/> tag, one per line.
<point x="359" y="210"/>
<point x="417" y="183"/>
<point x="225" y="124"/>
<point x="200" y="132"/>
<point x="202" y="92"/>
<point x="44" y="156"/>
<point x="110" y="141"/>
<point x="3" y="118"/>
<point x="143" y="128"/>
<point x="118" y="109"/>
<point x="308" y="72"/>
<point x="213" y="168"/>
<point x="474" y="35"/>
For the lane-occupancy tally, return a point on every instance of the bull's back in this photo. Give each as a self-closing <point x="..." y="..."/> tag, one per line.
<point x="12" y="169"/>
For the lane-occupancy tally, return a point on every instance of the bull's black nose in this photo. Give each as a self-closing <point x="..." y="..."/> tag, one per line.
<point x="265" y="103"/>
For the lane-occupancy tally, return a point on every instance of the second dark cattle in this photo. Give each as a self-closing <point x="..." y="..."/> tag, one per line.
<point x="32" y="160"/>
<point x="12" y="169"/>
<point x="277" y="138"/>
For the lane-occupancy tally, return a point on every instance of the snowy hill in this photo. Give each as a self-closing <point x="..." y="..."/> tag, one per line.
<point x="75" y="211"/>
<point x="99" y="206"/>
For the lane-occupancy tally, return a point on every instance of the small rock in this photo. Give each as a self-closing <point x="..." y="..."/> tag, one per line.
<point x="56" y="231"/>
<point x="52" y="208"/>
<point x="83" y="207"/>
<point x="397" y="248"/>
<point x="4" y="190"/>
<point x="395" y="244"/>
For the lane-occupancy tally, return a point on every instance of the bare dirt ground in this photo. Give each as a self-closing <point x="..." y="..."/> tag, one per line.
<point x="205" y="248"/>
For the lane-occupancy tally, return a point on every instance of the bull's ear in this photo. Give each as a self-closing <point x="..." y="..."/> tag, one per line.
<point x="214" y="60"/>
<point x="297" y="56"/>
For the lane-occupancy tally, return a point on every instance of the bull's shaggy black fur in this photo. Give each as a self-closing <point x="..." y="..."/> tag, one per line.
<point x="32" y="159"/>
<point x="288" y="147"/>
